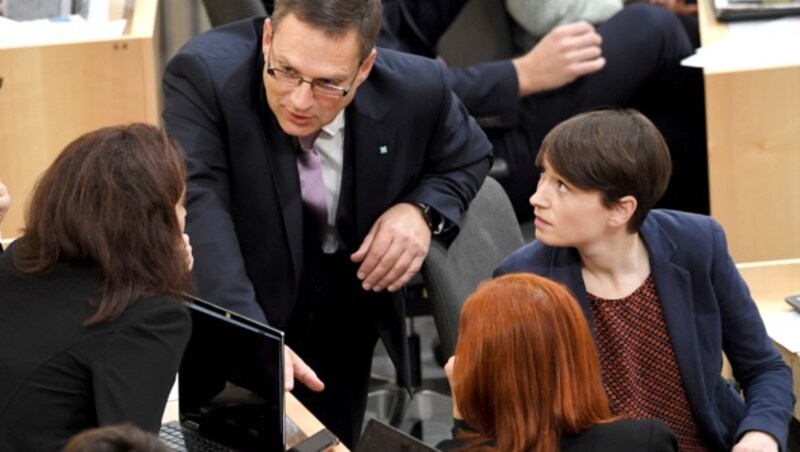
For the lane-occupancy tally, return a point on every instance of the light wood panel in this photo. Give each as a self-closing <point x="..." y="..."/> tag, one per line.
<point x="769" y="283"/>
<point x="753" y="120"/>
<point x="53" y="93"/>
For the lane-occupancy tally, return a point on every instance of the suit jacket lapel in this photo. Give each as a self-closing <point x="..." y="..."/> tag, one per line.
<point x="566" y="267"/>
<point x="673" y="284"/>
<point x="368" y="161"/>
<point x="281" y="153"/>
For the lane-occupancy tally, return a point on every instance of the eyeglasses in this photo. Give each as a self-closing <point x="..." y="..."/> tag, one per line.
<point x="288" y="78"/>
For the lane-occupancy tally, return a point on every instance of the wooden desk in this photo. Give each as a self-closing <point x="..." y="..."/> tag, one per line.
<point x="753" y="119"/>
<point x="54" y="92"/>
<point x="769" y="283"/>
<point x="307" y="422"/>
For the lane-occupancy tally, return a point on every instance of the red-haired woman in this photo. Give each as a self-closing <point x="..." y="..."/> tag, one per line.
<point x="91" y="325"/>
<point x="526" y="376"/>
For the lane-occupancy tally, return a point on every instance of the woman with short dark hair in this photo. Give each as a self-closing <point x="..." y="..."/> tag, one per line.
<point x="661" y="292"/>
<point x="525" y="376"/>
<point x="90" y="319"/>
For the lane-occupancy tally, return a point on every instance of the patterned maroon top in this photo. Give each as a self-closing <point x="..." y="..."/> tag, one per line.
<point x="638" y="365"/>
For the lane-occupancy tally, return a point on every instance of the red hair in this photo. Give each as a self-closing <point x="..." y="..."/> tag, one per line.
<point x="526" y="368"/>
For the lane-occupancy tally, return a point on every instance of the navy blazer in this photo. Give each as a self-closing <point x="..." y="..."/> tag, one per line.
<point x="708" y="310"/>
<point x="407" y="139"/>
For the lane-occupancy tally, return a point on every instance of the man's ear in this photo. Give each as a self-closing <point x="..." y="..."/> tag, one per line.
<point x="366" y="66"/>
<point x="623" y="210"/>
<point x="266" y="37"/>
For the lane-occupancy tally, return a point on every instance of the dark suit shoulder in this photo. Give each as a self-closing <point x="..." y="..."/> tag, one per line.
<point x="228" y="41"/>
<point x="683" y="225"/>
<point x="639" y="435"/>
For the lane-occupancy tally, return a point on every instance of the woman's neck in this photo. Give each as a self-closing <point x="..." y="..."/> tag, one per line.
<point x="615" y="266"/>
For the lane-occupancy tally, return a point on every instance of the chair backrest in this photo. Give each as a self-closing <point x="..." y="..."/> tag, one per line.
<point x="221" y="12"/>
<point x="489" y="233"/>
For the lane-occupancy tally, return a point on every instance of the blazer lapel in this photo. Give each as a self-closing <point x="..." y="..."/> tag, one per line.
<point x="280" y="149"/>
<point x="566" y="267"/>
<point x="369" y="160"/>
<point x="673" y="284"/>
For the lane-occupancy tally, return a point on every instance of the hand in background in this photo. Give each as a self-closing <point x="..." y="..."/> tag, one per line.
<point x="187" y="248"/>
<point x="394" y="249"/>
<point x="755" y="441"/>
<point x="566" y="53"/>
<point x="448" y="370"/>
<point x="294" y="368"/>
<point x="5" y="201"/>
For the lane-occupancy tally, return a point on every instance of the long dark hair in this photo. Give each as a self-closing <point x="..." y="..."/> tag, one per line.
<point x="109" y="200"/>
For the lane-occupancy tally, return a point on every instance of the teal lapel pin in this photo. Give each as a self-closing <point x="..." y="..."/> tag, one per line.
<point x="383" y="150"/>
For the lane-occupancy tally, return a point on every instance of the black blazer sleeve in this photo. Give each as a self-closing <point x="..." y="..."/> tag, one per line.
<point x="147" y="348"/>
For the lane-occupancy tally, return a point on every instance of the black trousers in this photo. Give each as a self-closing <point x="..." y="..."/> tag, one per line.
<point x="332" y="330"/>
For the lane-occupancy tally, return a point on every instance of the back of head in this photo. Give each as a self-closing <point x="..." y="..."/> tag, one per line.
<point x="526" y="369"/>
<point x="614" y="152"/>
<point x="336" y="17"/>
<point x="115" y="438"/>
<point x="109" y="200"/>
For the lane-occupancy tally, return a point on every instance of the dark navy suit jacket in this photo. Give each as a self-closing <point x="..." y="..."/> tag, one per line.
<point x="407" y="139"/>
<point x="708" y="310"/>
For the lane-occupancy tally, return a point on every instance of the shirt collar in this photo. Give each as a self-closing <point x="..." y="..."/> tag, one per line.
<point x="335" y="126"/>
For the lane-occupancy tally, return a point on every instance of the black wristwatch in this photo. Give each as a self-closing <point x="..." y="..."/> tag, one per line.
<point x="432" y="217"/>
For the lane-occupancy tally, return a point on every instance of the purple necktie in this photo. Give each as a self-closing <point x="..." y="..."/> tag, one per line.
<point x="312" y="186"/>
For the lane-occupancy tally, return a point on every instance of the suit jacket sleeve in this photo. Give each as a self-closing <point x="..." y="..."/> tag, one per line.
<point x="457" y="160"/>
<point x="132" y="379"/>
<point x="761" y="372"/>
<point x="490" y="91"/>
<point x="192" y="117"/>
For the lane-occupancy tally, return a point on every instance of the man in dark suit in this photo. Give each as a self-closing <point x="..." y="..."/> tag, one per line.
<point x="399" y="160"/>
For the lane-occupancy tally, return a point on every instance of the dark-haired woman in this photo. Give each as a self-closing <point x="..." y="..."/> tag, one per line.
<point x="659" y="288"/>
<point x="91" y="327"/>
<point x="526" y="377"/>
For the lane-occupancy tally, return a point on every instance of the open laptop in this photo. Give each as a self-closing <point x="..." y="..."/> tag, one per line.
<point x="230" y="386"/>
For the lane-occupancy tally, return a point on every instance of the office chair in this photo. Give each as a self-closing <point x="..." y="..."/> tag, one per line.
<point x="224" y="11"/>
<point x="489" y="233"/>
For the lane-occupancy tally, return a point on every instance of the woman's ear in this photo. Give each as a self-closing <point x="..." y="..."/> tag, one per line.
<point x="623" y="210"/>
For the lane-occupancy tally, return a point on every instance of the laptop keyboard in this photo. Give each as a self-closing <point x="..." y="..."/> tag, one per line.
<point x="181" y="439"/>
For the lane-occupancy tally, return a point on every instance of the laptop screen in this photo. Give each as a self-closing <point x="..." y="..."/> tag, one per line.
<point x="230" y="382"/>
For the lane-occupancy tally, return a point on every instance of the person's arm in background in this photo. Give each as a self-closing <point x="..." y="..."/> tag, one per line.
<point x="491" y="90"/>
<point x="5" y="204"/>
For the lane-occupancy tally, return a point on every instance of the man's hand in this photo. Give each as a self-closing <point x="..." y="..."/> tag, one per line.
<point x="5" y="201"/>
<point x="566" y="53"/>
<point x="295" y="368"/>
<point x="448" y="370"/>
<point x="755" y="441"/>
<point x="394" y="249"/>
